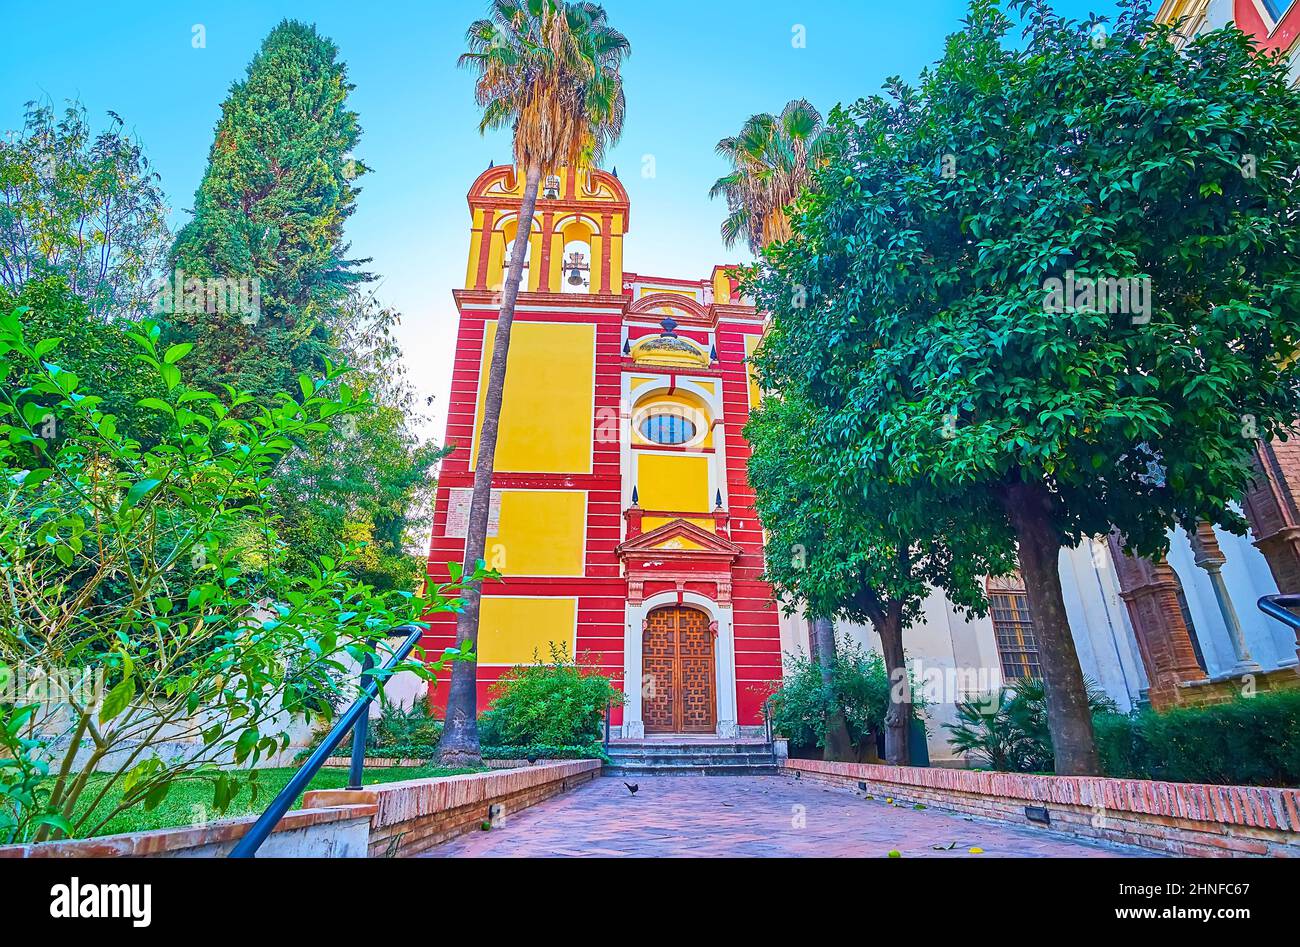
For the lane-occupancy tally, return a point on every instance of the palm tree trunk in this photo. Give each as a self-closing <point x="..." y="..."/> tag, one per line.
<point x="838" y="746"/>
<point x="1068" y="715"/>
<point x="459" y="745"/>
<point x="898" y="716"/>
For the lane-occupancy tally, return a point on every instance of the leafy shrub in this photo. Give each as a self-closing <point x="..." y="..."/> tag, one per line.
<point x="398" y="732"/>
<point x="1008" y="731"/>
<point x="156" y="571"/>
<point x="397" y="725"/>
<point x="560" y="703"/>
<point x="859" y="685"/>
<point x="1251" y="741"/>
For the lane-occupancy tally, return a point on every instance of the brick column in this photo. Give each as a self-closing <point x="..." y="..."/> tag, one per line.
<point x="1271" y="508"/>
<point x="1273" y="513"/>
<point x="1150" y="592"/>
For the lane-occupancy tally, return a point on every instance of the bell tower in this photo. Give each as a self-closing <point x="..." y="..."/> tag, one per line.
<point x="576" y="243"/>
<point x="621" y="521"/>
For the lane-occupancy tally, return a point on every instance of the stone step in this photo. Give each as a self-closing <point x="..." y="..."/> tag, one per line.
<point x="623" y="747"/>
<point x="712" y="769"/>
<point x="762" y="757"/>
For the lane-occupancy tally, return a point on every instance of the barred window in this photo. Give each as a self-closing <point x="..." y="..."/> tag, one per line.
<point x="1014" y="631"/>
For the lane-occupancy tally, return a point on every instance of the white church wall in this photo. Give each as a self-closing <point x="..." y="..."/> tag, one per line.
<point x="1099" y="620"/>
<point x="945" y="646"/>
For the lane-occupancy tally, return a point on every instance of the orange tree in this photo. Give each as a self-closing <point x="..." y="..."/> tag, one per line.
<point x="1055" y="280"/>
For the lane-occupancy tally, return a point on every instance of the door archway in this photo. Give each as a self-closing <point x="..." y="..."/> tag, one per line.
<point x="677" y="666"/>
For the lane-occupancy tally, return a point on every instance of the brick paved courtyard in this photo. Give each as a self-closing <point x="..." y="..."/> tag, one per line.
<point x="748" y="817"/>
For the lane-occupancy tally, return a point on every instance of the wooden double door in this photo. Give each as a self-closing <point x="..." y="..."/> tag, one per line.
<point x="677" y="661"/>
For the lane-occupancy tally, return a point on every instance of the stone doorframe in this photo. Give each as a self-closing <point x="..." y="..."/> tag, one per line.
<point x="721" y="620"/>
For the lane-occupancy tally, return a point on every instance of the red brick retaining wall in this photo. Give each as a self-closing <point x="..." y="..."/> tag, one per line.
<point x="1178" y="818"/>
<point x="415" y="815"/>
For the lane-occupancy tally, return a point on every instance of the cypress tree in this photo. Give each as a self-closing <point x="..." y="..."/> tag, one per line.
<point x="270" y="212"/>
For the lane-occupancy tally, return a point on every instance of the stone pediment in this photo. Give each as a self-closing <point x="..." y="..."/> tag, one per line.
<point x="680" y="539"/>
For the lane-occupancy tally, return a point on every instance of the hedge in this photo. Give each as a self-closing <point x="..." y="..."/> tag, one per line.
<point x="1251" y="741"/>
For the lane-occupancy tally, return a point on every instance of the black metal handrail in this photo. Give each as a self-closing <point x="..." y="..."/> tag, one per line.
<point x="357" y="716"/>
<point x="1279" y="607"/>
<point x="767" y="727"/>
<point x="609" y="707"/>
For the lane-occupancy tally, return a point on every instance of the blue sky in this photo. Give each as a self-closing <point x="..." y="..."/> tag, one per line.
<point x="697" y="70"/>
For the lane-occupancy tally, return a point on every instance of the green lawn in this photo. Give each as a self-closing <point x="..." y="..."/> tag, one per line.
<point x="190" y="802"/>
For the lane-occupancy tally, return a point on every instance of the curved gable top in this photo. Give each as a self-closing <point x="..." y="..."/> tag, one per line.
<point x="503" y="184"/>
<point x="658" y="304"/>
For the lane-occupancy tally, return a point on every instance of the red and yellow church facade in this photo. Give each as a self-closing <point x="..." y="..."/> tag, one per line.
<point x="621" y="520"/>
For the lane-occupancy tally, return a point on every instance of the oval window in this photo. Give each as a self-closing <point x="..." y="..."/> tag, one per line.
<point x="667" y="429"/>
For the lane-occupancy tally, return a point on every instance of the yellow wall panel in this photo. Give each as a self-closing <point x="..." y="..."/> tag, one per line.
<point x="513" y="630"/>
<point x="673" y="482"/>
<point x="649" y="523"/>
<point x="542" y="532"/>
<point x="651" y="290"/>
<point x="546" y="414"/>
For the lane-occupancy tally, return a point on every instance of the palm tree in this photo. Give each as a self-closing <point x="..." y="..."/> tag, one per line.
<point x="771" y="162"/>
<point x="549" y="71"/>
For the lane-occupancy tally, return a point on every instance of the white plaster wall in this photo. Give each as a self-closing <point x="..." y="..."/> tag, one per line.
<point x="1103" y="635"/>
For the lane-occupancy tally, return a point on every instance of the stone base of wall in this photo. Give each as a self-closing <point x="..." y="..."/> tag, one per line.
<point x="330" y="832"/>
<point x="415" y="815"/>
<point x="1222" y="690"/>
<point x="1176" y="818"/>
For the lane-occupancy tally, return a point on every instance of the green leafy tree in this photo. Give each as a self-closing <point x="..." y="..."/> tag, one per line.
<point x="80" y="205"/>
<point x="98" y="350"/>
<point x="929" y="259"/>
<point x="856" y="547"/>
<point x="805" y="703"/>
<point x="271" y="207"/>
<point x="549" y="71"/>
<point x="147" y="619"/>
<point x="367" y="477"/>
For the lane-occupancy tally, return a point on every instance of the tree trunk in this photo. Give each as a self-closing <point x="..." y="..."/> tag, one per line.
<point x="459" y="745"/>
<point x="838" y="746"/>
<point x="1068" y="717"/>
<point x="898" y="716"/>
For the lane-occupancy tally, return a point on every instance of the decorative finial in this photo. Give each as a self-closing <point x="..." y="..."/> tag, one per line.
<point x="491" y="165"/>
<point x="615" y="170"/>
<point x="669" y="325"/>
<point x="713" y="353"/>
<point x="718" y="502"/>
<point x="636" y="499"/>
<point x="627" y="346"/>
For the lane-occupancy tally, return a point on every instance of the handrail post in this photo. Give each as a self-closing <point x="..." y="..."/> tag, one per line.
<point x="609" y="704"/>
<point x="361" y="727"/>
